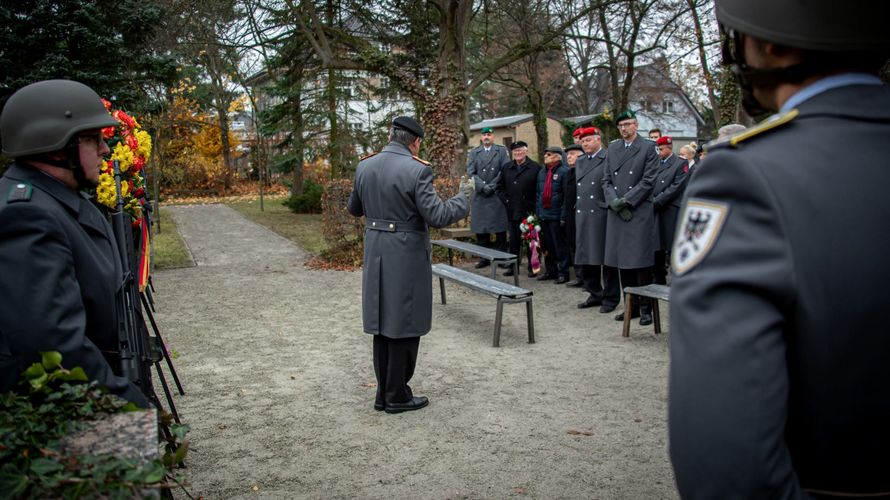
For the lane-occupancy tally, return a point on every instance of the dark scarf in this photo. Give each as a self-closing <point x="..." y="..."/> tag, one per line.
<point x="546" y="201"/>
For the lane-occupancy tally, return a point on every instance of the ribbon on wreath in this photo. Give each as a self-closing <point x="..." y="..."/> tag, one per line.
<point x="531" y="234"/>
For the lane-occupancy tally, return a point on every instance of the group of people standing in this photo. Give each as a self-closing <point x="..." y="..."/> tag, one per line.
<point x="608" y="210"/>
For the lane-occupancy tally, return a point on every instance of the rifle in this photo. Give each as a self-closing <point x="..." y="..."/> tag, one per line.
<point x="133" y="342"/>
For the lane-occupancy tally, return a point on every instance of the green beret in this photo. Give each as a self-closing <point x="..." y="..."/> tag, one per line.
<point x="487" y="130"/>
<point x="625" y="115"/>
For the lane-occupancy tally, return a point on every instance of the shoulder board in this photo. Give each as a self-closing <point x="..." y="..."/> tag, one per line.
<point x="421" y="161"/>
<point x="615" y="140"/>
<point x="368" y="156"/>
<point x="770" y="123"/>
<point x="20" y="191"/>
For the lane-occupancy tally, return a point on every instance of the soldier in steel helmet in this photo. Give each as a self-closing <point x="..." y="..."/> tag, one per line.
<point x="779" y="377"/>
<point x="59" y="268"/>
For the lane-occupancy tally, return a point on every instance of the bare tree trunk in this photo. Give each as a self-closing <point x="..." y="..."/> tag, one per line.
<point x="703" y="59"/>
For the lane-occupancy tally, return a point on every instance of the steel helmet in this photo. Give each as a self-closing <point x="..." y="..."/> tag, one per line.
<point x="44" y="116"/>
<point x="819" y="25"/>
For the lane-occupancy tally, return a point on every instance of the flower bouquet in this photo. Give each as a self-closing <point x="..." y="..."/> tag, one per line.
<point x="531" y="233"/>
<point x="131" y="147"/>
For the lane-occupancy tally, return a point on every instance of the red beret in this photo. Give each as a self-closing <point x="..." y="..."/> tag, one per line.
<point x="584" y="132"/>
<point x="577" y="132"/>
<point x="665" y="139"/>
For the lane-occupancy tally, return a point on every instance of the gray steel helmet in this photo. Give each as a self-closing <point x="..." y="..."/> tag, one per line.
<point x="42" y="117"/>
<point x="819" y="25"/>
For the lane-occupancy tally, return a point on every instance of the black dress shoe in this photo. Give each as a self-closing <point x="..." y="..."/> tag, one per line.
<point x="482" y="263"/>
<point x="416" y="403"/>
<point x="545" y="277"/>
<point x="646" y="319"/>
<point x="509" y="272"/>
<point x="379" y="406"/>
<point x="607" y="309"/>
<point x="590" y="302"/>
<point x="620" y="316"/>
<point x="576" y="284"/>
<point x="531" y="274"/>
<point x="561" y="280"/>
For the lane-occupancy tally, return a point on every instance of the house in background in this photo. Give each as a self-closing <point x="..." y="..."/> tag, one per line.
<point x="509" y="129"/>
<point x="658" y="102"/>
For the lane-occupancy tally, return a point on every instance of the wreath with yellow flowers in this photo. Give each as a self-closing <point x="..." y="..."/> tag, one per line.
<point x="131" y="146"/>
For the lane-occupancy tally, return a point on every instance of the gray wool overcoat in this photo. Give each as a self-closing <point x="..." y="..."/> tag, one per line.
<point x="395" y="193"/>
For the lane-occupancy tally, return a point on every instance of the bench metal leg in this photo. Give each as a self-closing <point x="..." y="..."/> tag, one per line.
<point x="531" y="321"/>
<point x="494" y="270"/>
<point x="628" y="312"/>
<point x="450" y="258"/>
<point x="497" y="323"/>
<point x="516" y="272"/>
<point x="656" y="315"/>
<point x="442" y="288"/>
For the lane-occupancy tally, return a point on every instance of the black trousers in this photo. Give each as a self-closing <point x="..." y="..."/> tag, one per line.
<point x="394" y="361"/>
<point x="570" y="244"/>
<point x="660" y="269"/>
<point x="602" y="283"/>
<point x="638" y="277"/>
<point x="500" y="241"/>
<point x="517" y="245"/>
<point x="554" y="242"/>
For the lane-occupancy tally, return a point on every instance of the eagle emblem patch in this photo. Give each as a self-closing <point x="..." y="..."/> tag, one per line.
<point x="697" y="231"/>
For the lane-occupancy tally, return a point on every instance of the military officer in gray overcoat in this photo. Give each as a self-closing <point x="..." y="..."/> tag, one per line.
<point x="631" y="232"/>
<point x="59" y="266"/>
<point x="666" y="197"/>
<point x="591" y="208"/>
<point x="485" y="166"/>
<point x="394" y="191"/>
<point x="779" y="380"/>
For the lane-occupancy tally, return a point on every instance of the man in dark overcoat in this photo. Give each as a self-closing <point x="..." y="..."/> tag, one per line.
<point x="631" y="232"/>
<point x="484" y="166"/>
<point x="551" y="212"/>
<point x="573" y="152"/>
<point x="591" y="210"/>
<point x="60" y="270"/>
<point x="394" y="191"/>
<point x="666" y="197"/>
<point x="779" y="339"/>
<point x="520" y="179"/>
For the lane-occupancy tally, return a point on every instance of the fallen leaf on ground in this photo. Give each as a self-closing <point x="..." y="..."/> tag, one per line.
<point x="369" y="384"/>
<point x="573" y="432"/>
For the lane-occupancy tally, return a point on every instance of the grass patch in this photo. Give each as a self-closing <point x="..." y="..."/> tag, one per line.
<point x="303" y="229"/>
<point x="169" y="249"/>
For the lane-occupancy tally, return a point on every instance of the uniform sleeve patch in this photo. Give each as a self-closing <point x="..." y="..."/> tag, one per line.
<point x="697" y="232"/>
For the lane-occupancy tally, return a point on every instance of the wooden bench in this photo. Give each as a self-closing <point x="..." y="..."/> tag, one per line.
<point x="505" y="293"/>
<point x="656" y="292"/>
<point x="495" y="256"/>
<point x="456" y="232"/>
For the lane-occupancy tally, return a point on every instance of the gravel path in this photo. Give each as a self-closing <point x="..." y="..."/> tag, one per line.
<point x="280" y="387"/>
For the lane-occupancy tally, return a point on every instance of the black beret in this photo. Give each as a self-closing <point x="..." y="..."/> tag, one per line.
<point x="409" y="124"/>
<point x="517" y="145"/>
<point x="553" y="149"/>
<point x="574" y="147"/>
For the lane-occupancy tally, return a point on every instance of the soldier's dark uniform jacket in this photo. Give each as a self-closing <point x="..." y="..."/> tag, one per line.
<point x="630" y="173"/>
<point x="395" y="193"/>
<point x="489" y="214"/>
<point x="59" y="273"/>
<point x="780" y="344"/>
<point x="667" y="195"/>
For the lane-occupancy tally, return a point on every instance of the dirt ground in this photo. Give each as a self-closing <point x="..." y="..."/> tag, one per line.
<point x="280" y="387"/>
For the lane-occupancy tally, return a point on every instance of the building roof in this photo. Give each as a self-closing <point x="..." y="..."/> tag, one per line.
<point x="504" y="121"/>
<point x="578" y="120"/>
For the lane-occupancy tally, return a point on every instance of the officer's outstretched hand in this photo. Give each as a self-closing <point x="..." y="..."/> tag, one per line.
<point x="467" y="186"/>
<point x="625" y="214"/>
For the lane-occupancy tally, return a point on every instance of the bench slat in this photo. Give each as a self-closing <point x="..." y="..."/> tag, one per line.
<point x="479" y="283"/>
<point x="463" y="246"/>
<point x="661" y="292"/>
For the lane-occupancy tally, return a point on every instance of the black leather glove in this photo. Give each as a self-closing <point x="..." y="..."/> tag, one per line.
<point x="618" y="203"/>
<point x="487" y="190"/>
<point x="562" y="223"/>
<point x="625" y="214"/>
